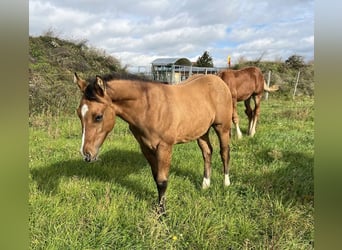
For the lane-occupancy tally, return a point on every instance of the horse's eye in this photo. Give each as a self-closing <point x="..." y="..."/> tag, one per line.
<point x="98" y="118"/>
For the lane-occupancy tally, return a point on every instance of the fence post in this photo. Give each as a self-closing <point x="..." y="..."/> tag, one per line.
<point x="268" y="83"/>
<point x="295" y="89"/>
<point x="172" y="73"/>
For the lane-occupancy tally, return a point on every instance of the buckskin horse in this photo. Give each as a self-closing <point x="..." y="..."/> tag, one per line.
<point x="159" y="116"/>
<point x="245" y="84"/>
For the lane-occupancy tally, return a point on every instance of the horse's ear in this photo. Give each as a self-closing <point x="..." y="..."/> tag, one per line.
<point x="80" y="82"/>
<point x="101" y="84"/>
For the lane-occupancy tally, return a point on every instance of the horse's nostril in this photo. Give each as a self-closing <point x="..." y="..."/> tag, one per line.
<point x="87" y="157"/>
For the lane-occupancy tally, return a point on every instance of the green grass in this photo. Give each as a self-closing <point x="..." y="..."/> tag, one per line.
<point x="109" y="204"/>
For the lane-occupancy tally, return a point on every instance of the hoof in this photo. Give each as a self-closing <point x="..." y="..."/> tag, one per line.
<point x="226" y="180"/>
<point x="206" y="183"/>
<point x="160" y="212"/>
<point x="160" y="209"/>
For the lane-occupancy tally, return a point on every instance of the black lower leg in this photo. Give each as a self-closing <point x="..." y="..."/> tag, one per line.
<point x="161" y="193"/>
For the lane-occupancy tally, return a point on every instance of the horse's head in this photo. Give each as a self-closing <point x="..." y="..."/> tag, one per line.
<point x="97" y="116"/>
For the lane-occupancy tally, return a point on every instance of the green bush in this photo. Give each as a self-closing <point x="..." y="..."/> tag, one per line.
<point x="52" y="62"/>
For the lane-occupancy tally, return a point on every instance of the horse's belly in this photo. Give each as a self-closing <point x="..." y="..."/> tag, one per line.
<point x="192" y="131"/>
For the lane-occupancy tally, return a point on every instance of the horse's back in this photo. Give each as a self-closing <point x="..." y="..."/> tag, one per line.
<point x="209" y="89"/>
<point x="210" y="92"/>
<point x="251" y="80"/>
<point x="208" y="84"/>
<point x="244" y="82"/>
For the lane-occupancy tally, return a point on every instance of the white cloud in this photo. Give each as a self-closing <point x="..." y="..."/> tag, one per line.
<point x="139" y="31"/>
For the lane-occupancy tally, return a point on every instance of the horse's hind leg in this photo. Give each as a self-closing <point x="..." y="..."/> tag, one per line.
<point x="207" y="150"/>
<point x="236" y="119"/>
<point x="223" y="134"/>
<point x="256" y="113"/>
<point x="249" y="113"/>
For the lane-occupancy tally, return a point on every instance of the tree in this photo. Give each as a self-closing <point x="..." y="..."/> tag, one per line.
<point x="205" y="60"/>
<point x="295" y="62"/>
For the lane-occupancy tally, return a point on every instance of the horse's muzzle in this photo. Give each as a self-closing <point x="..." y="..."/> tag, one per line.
<point x="87" y="157"/>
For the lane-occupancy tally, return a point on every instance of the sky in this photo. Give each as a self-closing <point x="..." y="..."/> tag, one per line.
<point x="137" y="32"/>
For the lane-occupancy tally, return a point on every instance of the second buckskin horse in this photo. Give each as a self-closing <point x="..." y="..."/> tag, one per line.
<point x="245" y="84"/>
<point x="159" y="116"/>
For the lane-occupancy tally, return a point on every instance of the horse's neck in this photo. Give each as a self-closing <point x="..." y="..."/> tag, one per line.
<point x="127" y="97"/>
<point x="121" y="90"/>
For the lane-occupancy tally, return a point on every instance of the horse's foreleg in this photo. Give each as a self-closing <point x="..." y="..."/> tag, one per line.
<point x="161" y="173"/>
<point x="156" y="159"/>
<point x="206" y="148"/>
<point x="224" y="138"/>
<point x="151" y="157"/>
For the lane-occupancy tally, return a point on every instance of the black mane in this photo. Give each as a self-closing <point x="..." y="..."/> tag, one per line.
<point x="91" y="91"/>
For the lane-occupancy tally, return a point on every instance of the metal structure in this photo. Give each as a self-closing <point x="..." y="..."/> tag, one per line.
<point x="175" y="70"/>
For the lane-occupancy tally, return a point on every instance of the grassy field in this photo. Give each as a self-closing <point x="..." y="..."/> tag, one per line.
<point x="109" y="204"/>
